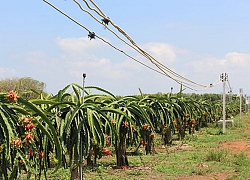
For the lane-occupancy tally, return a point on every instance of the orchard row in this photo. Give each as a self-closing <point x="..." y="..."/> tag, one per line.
<point x="47" y="131"/>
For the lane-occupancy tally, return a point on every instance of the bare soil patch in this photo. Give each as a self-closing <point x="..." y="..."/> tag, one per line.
<point x="220" y="176"/>
<point x="237" y="147"/>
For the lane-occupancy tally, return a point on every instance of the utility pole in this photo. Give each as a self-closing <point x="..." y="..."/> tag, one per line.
<point x="224" y="78"/>
<point x="245" y="103"/>
<point x="241" y="92"/>
<point x="81" y="132"/>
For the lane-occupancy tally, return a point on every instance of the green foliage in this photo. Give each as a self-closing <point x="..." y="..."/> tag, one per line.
<point x="23" y="146"/>
<point x="242" y="159"/>
<point x="216" y="155"/>
<point x="106" y="122"/>
<point x="26" y="87"/>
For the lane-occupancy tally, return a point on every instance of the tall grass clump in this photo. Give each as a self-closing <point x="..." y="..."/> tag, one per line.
<point x="216" y="155"/>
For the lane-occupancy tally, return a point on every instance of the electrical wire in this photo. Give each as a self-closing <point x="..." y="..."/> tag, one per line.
<point x="162" y="69"/>
<point x="180" y="82"/>
<point x="157" y="63"/>
<point x="184" y="84"/>
<point x="229" y="86"/>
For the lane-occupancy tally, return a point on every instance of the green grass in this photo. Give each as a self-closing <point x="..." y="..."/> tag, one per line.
<point x="205" y="157"/>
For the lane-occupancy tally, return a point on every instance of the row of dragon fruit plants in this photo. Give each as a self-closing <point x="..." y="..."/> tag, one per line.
<point x="45" y="132"/>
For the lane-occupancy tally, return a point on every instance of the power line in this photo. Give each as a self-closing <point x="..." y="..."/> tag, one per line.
<point x="91" y="35"/>
<point x="162" y="69"/>
<point x="157" y="63"/>
<point x="145" y="54"/>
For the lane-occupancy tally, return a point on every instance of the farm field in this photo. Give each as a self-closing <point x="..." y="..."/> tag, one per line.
<point x="161" y="136"/>
<point x="166" y="127"/>
<point x="208" y="154"/>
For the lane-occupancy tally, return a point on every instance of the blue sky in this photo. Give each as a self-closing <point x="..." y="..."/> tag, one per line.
<point x="197" y="39"/>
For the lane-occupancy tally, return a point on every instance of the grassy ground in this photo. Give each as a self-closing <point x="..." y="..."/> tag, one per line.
<point x="208" y="154"/>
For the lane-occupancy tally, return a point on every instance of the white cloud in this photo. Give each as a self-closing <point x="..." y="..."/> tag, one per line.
<point x="209" y="64"/>
<point x="163" y="52"/>
<point x="239" y="60"/>
<point x="77" y="45"/>
<point x="104" y="68"/>
<point x="81" y="54"/>
<point x="229" y="62"/>
<point x="209" y="69"/>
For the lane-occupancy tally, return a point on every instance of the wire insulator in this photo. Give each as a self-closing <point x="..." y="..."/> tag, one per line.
<point x="91" y="35"/>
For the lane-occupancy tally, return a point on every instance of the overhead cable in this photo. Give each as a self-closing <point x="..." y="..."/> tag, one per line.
<point x="152" y="59"/>
<point x="162" y="69"/>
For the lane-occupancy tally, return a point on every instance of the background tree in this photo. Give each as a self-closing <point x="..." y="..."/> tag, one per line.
<point x="26" y="87"/>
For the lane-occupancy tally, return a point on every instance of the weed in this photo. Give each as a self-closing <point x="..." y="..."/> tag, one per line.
<point x="202" y="169"/>
<point x="216" y="155"/>
<point x="136" y="172"/>
<point x="189" y="138"/>
<point x="195" y="156"/>
<point x="242" y="159"/>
